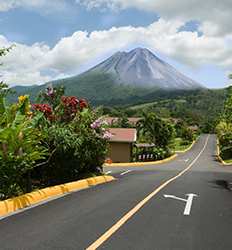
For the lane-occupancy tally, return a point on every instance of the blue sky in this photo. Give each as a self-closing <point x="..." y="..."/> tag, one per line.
<point x="27" y="26"/>
<point x="59" y="40"/>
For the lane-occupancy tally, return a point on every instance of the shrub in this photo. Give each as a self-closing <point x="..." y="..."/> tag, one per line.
<point x="74" y="136"/>
<point x="20" y="147"/>
<point x="75" y="148"/>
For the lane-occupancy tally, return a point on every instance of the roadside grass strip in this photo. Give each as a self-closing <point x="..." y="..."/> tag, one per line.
<point x="187" y="149"/>
<point x="140" y="164"/>
<point x="14" y="204"/>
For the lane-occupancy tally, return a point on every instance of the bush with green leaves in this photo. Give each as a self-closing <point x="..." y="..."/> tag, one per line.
<point x="184" y="132"/>
<point x="75" y="149"/>
<point x="224" y="128"/>
<point x="20" y="147"/>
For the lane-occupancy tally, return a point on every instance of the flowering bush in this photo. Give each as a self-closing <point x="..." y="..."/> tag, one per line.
<point x="76" y="139"/>
<point x="53" y="142"/>
<point x="45" y="109"/>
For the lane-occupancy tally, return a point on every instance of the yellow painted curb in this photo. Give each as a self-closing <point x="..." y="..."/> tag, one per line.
<point x="140" y="164"/>
<point x="219" y="157"/>
<point x="26" y="200"/>
<point x="186" y="150"/>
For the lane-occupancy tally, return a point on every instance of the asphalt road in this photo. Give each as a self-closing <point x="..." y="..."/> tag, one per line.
<point x="132" y="212"/>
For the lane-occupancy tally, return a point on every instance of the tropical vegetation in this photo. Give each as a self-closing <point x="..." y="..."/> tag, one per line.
<point x="224" y="128"/>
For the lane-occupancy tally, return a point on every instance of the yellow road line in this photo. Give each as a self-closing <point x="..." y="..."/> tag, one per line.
<point x="134" y="210"/>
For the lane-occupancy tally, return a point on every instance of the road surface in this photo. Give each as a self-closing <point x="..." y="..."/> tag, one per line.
<point x="143" y="209"/>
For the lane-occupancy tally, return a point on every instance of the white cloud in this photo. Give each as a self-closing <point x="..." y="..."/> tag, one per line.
<point x="39" y="63"/>
<point x="216" y="12"/>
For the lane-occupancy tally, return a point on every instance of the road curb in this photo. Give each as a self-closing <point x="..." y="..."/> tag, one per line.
<point x="219" y="157"/>
<point x="140" y="164"/>
<point x="12" y="205"/>
<point x="186" y="150"/>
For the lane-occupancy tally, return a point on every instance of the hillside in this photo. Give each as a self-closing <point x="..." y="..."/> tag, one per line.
<point x="96" y="88"/>
<point x="201" y="107"/>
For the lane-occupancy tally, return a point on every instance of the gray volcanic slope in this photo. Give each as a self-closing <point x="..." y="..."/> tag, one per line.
<point x="140" y="67"/>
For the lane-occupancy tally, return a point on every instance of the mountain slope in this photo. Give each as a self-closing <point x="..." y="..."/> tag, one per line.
<point x="140" y="67"/>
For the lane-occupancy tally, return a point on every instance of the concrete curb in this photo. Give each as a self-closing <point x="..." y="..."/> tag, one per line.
<point x="26" y="200"/>
<point x="219" y="157"/>
<point x="140" y="164"/>
<point x="186" y="150"/>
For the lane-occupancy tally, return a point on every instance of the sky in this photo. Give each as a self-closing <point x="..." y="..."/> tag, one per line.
<point x="55" y="39"/>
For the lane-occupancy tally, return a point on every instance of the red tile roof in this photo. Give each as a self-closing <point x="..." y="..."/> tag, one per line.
<point x="123" y="135"/>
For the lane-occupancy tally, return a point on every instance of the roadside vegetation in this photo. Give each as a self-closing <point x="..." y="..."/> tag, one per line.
<point x="224" y="129"/>
<point x="56" y="141"/>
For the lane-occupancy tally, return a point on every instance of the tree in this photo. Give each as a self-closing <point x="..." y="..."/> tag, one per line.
<point x="227" y="114"/>
<point x="155" y="130"/>
<point x="224" y="128"/>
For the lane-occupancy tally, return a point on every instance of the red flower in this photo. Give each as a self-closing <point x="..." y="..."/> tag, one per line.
<point x="70" y="104"/>
<point x="44" y="108"/>
<point x="83" y="104"/>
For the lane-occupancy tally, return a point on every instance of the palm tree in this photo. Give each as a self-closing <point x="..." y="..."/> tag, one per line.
<point x="145" y="127"/>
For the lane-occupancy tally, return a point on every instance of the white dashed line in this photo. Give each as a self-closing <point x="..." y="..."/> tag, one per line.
<point x="126" y="172"/>
<point x="109" y="172"/>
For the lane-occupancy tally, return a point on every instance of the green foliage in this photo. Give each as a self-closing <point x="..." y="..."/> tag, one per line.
<point x="227" y="114"/>
<point x="75" y="148"/>
<point x="200" y="108"/>
<point x="183" y="131"/>
<point x="52" y="145"/>
<point x="155" y="130"/>
<point x="224" y="128"/>
<point x="20" y="149"/>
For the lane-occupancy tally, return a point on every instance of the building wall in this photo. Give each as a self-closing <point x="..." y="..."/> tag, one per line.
<point x="120" y="152"/>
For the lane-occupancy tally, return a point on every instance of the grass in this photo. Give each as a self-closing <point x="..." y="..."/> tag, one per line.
<point x="228" y="161"/>
<point x="179" y="146"/>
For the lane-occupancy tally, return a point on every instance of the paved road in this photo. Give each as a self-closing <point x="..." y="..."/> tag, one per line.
<point x="133" y="211"/>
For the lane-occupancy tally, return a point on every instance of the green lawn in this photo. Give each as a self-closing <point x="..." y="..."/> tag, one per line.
<point x="178" y="145"/>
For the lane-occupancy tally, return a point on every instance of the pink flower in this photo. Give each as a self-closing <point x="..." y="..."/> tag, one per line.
<point x="97" y="124"/>
<point x="50" y="91"/>
<point x="107" y="135"/>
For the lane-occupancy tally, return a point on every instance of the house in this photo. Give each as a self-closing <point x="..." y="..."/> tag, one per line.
<point x="121" y="144"/>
